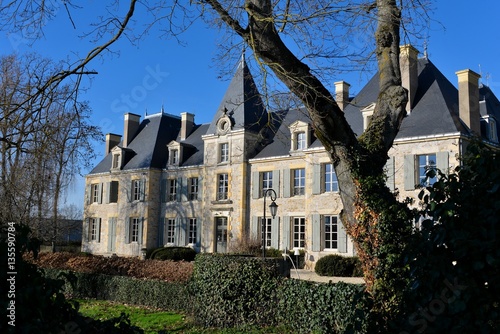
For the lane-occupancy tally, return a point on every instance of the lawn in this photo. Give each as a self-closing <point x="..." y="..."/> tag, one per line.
<point x="155" y="321"/>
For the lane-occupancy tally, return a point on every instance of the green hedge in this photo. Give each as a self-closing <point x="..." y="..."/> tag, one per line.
<point x="123" y="289"/>
<point x="337" y="265"/>
<point x="231" y="291"/>
<point x="173" y="253"/>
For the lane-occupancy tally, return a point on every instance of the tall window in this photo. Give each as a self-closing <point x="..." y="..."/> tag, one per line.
<point x="330" y="232"/>
<point x="222" y="186"/>
<point x="95" y="189"/>
<point x="193" y="188"/>
<point x="174" y="158"/>
<point x="172" y="190"/>
<point x="299" y="232"/>
<point x="116" y="161"/>
<point x="267" y="181"/>
<point x="331" y="182"/>
<point x="192" y="231"/>
<point x="299" y="181"/>
<point x="426" y="163"/>
<point x="134" y="229"/>
<point x="301" y="140"/>
<point x="266" y="228"/>
<point x="94" y="229"/>
<point x="137" y="190"/>
<point x="170" y="231"/>
<point x="224" y="152"/>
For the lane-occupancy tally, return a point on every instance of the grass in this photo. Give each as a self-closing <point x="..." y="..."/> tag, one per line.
<point x="154" y="321"/>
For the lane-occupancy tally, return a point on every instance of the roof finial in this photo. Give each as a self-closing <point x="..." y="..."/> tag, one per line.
<point x="426" y="44"/>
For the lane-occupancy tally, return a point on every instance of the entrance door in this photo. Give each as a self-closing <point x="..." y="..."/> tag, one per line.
<point x="221" y="234"/>
<point x="111" y="234"/>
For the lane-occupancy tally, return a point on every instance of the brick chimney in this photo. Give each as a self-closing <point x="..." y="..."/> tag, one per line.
<point x="408" y="58"/>
<point x="468" y="99"/>
<point x="130" y="128"/>
<point x="342" y="94"/>
<point x="187" y="123"/>
<point x="111" y="141"/>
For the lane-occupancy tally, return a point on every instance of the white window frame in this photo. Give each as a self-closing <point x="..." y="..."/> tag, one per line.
<point x="94" y="228"/>
<point x="94" y="192"/>
<point x="134" y="229"/>
<point x="116" y="161"/>
<point x="224" y="152"/>
<point x="300" y="140"/>
<point x="298" y="232"/>
<point x="424" y="166"/>
<point x="137" y="190"/>
<point x="330" y="181"/>
<point x="169" y="227"/>
<point x="174" y="154"/>
<point x="172" y="190"/>
<point x="266" y="228"/>
<point x="222" y="186"/>
<point x="193" y="188"/>
<point x="330" y="237"/>
<point x="266" y="179"/>
<point x="299" y="181"/>
<point x="192" y="231"/>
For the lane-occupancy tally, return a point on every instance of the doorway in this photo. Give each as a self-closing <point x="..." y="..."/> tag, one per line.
<point x="221" y="234"/>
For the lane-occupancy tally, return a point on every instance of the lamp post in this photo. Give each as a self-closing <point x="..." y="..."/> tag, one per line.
<point x="273" y="207"/>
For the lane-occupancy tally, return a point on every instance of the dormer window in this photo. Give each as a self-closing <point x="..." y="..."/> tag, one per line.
<point x="301" y="140"/>
<point x="174" y="157"/>
<point x="301" y="135"/>
<point x="116" y="161"/>
<point x="117" y="158"/>
<point x="174" y="153"/>
<point x="367" y="114"/>
<point x="489" y="128"/>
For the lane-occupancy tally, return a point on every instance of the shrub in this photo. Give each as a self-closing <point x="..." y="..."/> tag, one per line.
<point x="174" y="254"/>
<point x="337" y="265"/>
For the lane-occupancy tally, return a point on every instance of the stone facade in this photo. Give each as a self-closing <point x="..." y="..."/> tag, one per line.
<point x="175" y="183"/>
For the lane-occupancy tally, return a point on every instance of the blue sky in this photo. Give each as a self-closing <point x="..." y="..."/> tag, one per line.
<point x="158" y="72"/>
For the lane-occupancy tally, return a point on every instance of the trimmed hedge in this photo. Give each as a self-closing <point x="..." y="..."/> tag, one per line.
<point x="173" y="253"/>
<point x="337" y="265"/>
<point x="153" y="293"/>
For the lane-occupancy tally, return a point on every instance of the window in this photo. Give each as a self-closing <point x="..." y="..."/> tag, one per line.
<point x="95" y="191"/>
<point x="224" y="152"/>
<point x="116" y="161"/>
<point x="267" y="182"/>
<point x="331" y="183"/>
<point x="426" y="163"/>
<point x="301" y="140"/>
<point x="172" y="190"/>
<point x="174" y="157"/>
<point x="330" y="232"/>
<point x="170" y="231"/>
<point x="192" y="231"/>
<point x="134" y="229"/>
<point x="94" y="229"/>
<point x="266" y="228"/>
<point x="138" y="187"/>
<point x="222" y="186"/>
<point x="193" y="188"/>
<point x="299" y="181"/>
<point x="113" y="192"/>
<point x="299" y="232"/>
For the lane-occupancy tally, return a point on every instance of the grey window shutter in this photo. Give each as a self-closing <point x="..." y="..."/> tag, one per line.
<point x="286" y="231"/>
<point x="177" y="231"/>
<point x="255" y="184"/>
<point x="200" y="187"/>
<point x="178" y="189"/>
<point x="98" y="230"/>
<point x="276" y="182"/>
<point x="141" y="227"/>
<point x="286" y="183"/>
<point x="127" y="230"/>
<point x="316" y="184"/>
<point x="442" y="162"/>
<point x="275" y="226"/>
<point x="254" y="228"/>
<point x="409" y="172"/>
<point x="143" y="190"/>
<point x="184" y="189"/>
<point x="163" y="190"/>
<point x="131" y="192"/>
<point x="161" y="227"/>
<point x="99" y="191"/>
<point x="111" y="231"/>
<point x="342" y="237"/>
<point x="389" y="171"/>
<point x="316" y="232"/>
<point x="85" y="230"/>
<point x="182" y="231"/>
<point x="87" y="193"/>
<point x="108" y="192"/>
<point x="198" y="231"/>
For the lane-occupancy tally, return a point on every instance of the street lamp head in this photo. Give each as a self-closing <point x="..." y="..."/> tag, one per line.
<point x="274" y="208"/>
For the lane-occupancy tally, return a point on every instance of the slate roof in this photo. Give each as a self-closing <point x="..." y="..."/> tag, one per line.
<point x="149" y="147"/>
<point x="242" y="102"/>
